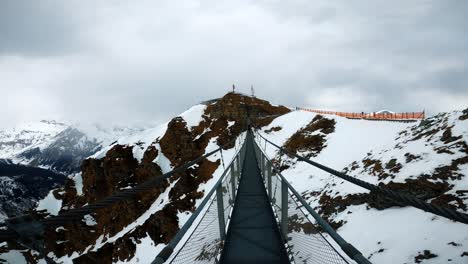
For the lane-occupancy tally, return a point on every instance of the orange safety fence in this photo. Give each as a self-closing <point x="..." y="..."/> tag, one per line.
<point x="378" y="116"/>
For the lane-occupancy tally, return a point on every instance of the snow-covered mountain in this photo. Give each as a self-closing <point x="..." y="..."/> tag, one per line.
<point x="398" y="155"/>
<point x="55" y="145"/>
<point x="35" y="156"/>
<point x="428" y="159"/>
<point x="15" y="140"/>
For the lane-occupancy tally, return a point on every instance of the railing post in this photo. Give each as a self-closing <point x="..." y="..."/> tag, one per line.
<point x="233" y="182"/>
<point x="269" y="175"/>
<point x="222" y="223"/>
<point x="284" y="208"/>
<point x="239" y="168"/>
<point x="259" y="159"/>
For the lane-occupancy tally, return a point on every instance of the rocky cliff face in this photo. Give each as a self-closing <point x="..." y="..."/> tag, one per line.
<point x="114" y="234"/>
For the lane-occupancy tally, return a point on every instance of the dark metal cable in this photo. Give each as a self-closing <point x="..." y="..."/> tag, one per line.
<point x="78" y="213"/>
<point x="398" y="197"/>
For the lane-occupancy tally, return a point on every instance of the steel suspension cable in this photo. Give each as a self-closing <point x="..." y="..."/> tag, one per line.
<point x="401" y="198"/>
<point x="73" y="214"/>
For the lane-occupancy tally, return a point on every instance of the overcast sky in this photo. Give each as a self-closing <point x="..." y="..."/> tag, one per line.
<point x="146" y="61"/>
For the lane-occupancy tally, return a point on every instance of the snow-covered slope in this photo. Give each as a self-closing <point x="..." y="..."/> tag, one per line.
<point x="15" y="140"/>
<point x="428" y="159"/>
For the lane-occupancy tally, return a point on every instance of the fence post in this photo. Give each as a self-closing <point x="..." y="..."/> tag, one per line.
<point x="284" y="208"/>
<point x="221" y="221"/>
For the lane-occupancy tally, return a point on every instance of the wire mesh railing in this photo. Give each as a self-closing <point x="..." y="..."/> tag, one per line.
<point x="305" y="232"/>
<point x="201" y="239"/>
<point x="205" y="242"/>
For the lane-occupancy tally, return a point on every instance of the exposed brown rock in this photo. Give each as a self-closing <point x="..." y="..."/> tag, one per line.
<point x="273" y="129"/>
<point x="393" y="166"/>
<point x="426" y="254"/>
<point x="445" y="200"/>
<point x="447" y="136"/>
<point x="311" y="138"/>
<point x="464" y="116"/>
<point x="450" y="171"/>
<point x="299" y="223"/>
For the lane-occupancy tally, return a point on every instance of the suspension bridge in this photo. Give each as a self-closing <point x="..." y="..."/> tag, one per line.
<point x="251" y="215"/>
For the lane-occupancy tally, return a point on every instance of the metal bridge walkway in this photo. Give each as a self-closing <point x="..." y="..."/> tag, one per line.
<point x="253" y="235"/>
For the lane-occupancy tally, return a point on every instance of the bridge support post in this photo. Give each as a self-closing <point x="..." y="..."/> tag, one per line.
<point x="222" y="223"/>
<point x="284" y="208"/>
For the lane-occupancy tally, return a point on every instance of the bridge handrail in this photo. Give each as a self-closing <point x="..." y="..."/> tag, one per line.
<point x="168" y="250"/>
<point x="268" y="169"/>
<point x="399" y="197"/>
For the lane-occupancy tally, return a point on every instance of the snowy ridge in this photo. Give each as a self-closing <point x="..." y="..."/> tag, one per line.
<point x="377" y="152"/>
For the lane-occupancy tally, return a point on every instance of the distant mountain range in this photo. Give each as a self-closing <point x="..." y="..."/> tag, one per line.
<point x="36" y="157"/>
<point x="54" y="145"/>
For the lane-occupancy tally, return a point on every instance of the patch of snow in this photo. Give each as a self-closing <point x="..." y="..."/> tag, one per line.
<point x="89" y="220"/>
<point x="50" y="204"/>
<point x="78" y="179"/>
<point x="194" y="115"/>
<point x="139" y="141"/>
<point x="163" y="162"/>
<point x="13" y="257"/>
<point x="402" y="233"/>
<point x="146" y="251"/>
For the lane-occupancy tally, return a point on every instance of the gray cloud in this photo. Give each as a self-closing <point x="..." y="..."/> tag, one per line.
<point x="147" y="61"/>
<point x="34" y="28"/>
